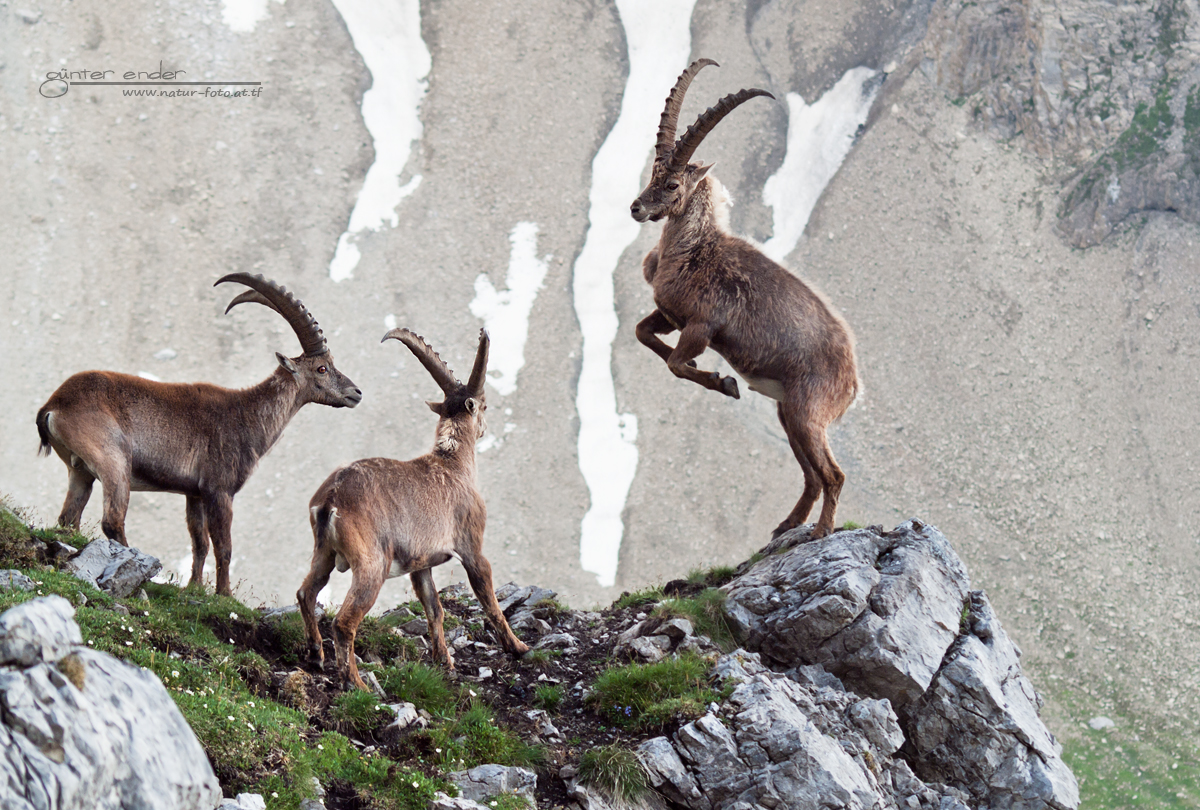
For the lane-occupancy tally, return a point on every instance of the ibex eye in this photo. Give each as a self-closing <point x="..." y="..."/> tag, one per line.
<point x="321" y="369"/>
<point x="672" y="185"/>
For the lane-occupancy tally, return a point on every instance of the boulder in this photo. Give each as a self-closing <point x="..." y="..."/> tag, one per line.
<point x="876" y="609"/>
<point x="13" y="580"/>
<point x="82" y="730"/>
<point x="113" y="567"/>
<point x="485" y="781"/>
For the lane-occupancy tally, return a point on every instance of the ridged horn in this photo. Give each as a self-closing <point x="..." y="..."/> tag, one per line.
<point x="251" y="295"/>
<point x="475" y="384"/>
<point x="433" y="362"/>
<point x="708" y="119"/>
<point x="275" y="296"/>
<point x="670" y="116"/>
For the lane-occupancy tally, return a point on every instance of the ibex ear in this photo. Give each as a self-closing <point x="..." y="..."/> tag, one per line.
<point x="287" y="363"/>
<point x="436" y="407"/>
<point x="703" y="170"/>
<point x="472" y="405"/>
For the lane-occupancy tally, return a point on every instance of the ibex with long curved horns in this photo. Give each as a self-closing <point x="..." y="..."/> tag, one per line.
<point x="720" y="292"/>
<point x="382" y="518"/>
<point x="199" y="440"/>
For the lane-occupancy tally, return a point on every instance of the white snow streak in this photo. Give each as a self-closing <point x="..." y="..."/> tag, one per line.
<point x="505" y="313"/>
<point x="388" y="35"/>
<point x="243" y="15"/>
<point x="819" y="138"/>
<point x="659" y="38"/>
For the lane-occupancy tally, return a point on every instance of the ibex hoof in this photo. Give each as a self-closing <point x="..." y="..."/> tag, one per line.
<point x="729" y="387"/>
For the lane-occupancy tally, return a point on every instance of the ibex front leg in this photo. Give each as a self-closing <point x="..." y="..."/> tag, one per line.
<point x="693" y="340"/>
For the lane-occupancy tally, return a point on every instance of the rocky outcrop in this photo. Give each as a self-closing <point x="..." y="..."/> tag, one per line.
<point x="1109" y="89"/>
<point x="925" y="664"/>
<point x="782" y="742"/>
<point x="81" y="729"/>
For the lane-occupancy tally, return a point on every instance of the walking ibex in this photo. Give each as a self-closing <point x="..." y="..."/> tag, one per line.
<point x="199" y="440"/>
<point x="720" y="292"/>
<point x="382" y="518"/>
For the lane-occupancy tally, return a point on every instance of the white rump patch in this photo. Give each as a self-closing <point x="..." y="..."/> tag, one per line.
<point x="388" y="35"/>
<point x="659" y="37"/>
<point x="819" y="138"/>
<point x="505" y="313"/>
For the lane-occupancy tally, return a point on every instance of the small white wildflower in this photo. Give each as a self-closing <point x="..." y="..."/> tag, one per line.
<point x="230" y="641"/>
<point x="233" y="615"/>
<point x="250" y="726"/>
<point x="417" y="784"/>
<point x="145" y="613"/>
<point x="437" y="750"/>
<point x="39" y="591"/>
<point x="128" y="643"/>
<point x="472" y="692"/>
<point x="206" y="705"/>
<point x="90" y="643"/>
<point x="174" y="673"/>
<point x="189" y="692"/>
<point x="493" y="804"/>
<point x="250" y="703"/>
<point x="320" y="747"/>
<point x="229" y="717"/>
<point x="274" y="795"/>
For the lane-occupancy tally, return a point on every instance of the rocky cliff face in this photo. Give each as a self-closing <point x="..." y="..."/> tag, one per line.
<point x="1110" y="92"/>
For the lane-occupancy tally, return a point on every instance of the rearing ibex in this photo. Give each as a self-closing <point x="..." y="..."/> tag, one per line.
<point x="383" y="518"/>
<point x="199" y="440"/>
<point x="719" y="291"/>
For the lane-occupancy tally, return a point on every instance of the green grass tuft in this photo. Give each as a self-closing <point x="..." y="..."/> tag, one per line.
<point x="548" y="697"/>
<point x="644" y="696"/>
<point x="473" y="738"/>
<point x="423" y="686"/>
<point x="359" y="711"/>
<point x="616" y="770"/>
<point x="706" y="611"/>
<point x="639" y="598"/>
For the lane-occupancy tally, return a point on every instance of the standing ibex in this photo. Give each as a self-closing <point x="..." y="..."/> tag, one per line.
<point x="719" y="291"/>
<point x="199" y="440"/>
<point x="383" y="518"/>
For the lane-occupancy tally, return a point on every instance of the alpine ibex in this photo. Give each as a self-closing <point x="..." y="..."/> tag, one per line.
<point x="382" y="518"/>
<point x="720" y="292"/>
<point x="198" y="440"/>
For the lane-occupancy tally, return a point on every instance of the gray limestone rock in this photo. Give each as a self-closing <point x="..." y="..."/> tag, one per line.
<point x="442" y="801"/>
<point x="113" y="567"/>
<point x="11" y="579"/>
<point x="483" y="781"/>
<point x="38" y="631"/>
<point x="877" y="610"/>
<point x="977" y="727"/>
<point x="119" y="742"/>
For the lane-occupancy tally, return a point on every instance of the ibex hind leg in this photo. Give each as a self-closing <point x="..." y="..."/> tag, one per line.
<point x="79" y="490"/>
<point x="197" y="526"/>
<point x="815" y="444"/>
<point x="364" y="590"/>
<point x="812" y="482"/>
<point x="422" y="582"/>
<point x="479" y="573"/>
<point x="306" y="598"/>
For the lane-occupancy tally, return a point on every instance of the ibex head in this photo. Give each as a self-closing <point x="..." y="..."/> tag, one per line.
<point x="460" y="399"/>
<point x="672" y="178"/>
<point x="319" y="380"/>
